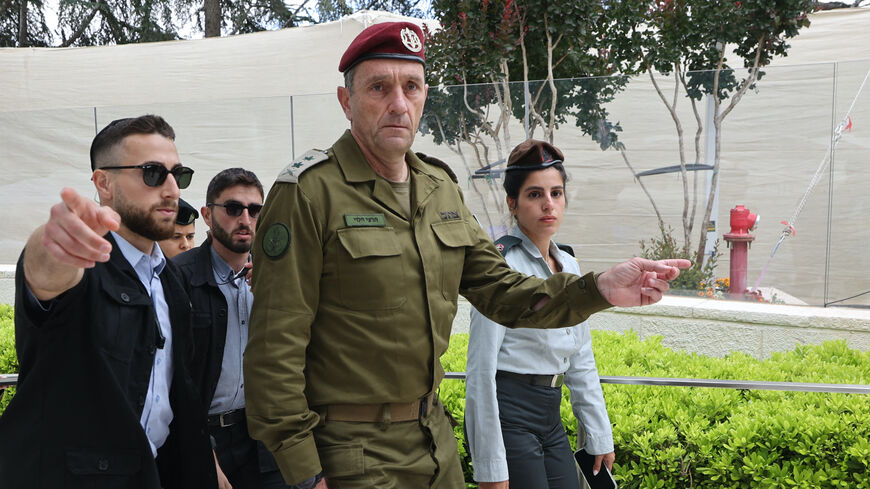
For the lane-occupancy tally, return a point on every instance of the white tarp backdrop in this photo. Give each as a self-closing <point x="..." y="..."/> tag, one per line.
<point x="256" y="100"/>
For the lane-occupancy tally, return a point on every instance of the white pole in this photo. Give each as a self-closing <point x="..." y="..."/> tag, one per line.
<point x="710" y="159"/>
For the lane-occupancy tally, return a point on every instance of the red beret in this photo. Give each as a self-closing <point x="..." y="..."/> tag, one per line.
<point x="532" y="154"/>
<point x="394" y="40"/>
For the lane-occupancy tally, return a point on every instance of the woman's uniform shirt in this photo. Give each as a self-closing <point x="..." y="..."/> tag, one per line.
<point x="493" y="347"/>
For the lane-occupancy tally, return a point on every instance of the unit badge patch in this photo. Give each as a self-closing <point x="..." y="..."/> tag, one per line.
<point x="276" y="240"/>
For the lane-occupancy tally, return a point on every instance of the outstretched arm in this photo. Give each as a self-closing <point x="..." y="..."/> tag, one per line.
<point x="58" y="252"/>
<point x="639" y="282"/>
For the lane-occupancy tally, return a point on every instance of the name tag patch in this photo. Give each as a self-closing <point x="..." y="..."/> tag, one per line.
<point x="449" y="215"/>
<point x="365" y="220"/>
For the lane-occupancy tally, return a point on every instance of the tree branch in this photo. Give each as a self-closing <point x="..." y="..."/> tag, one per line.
<point x="550" y="47"/>
<point x="698" y="133"/>
<point x="643" y="187"/>
<point x="672" y="109"/>
<point x="753" y="74"/>
<point x="83" y="26"/>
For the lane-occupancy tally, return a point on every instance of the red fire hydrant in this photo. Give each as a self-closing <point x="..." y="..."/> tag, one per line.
<point x="742" y="221"/>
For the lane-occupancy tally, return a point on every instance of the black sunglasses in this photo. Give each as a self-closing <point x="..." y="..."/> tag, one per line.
<point x="154" y="174"/>
<point x="234" y="209"/>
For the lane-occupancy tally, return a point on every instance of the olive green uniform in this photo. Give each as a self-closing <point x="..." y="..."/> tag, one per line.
<point x="354" y="302"/>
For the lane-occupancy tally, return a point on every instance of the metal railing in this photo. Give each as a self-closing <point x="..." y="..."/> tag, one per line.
<point x="7" y="380"/>
<point x="723" y="384"/>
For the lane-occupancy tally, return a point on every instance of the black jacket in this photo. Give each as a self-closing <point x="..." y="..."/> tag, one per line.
<point x="84" y="372"/>
<point x="209" y="318"/>
<point x="209" y="328"/>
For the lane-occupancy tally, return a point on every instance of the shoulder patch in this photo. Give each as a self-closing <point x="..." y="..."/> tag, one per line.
<point x="506" y="242"/>
<point x="291" y="172"/>
<point x="276" y="240"/>
<point x="566" y="248"/>
<point x="440" y="164"/>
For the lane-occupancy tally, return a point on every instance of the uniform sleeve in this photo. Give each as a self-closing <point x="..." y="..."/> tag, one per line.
<point x="587" y="398"/>
<point x="507" y="296"/>
<point x="481" y="404"/>
<point x="286" y="291"/>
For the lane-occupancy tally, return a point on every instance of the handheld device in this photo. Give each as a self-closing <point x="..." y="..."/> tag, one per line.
<point x="604" y="480"/>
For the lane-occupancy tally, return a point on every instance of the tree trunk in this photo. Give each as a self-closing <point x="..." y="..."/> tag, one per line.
<point x="672" y="109"/>
<point x="22" y="24"/>
<point x="212" y="12"/>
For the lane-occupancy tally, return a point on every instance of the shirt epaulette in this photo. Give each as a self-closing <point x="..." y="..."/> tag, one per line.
<point x="506" y="242"/>
<point x="566" y="248"/>
<point x="440" y="164"/>
<point x="291" y="172"/>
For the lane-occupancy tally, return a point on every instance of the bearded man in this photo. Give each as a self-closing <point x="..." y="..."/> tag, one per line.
<point x="102" y="331"/>
<point x="215" y="277"/>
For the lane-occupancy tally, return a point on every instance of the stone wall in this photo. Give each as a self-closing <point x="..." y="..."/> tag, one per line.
<point x="718" y="327"/>
<point x="705" y="326"/>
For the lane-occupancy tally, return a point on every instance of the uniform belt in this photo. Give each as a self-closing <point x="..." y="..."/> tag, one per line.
<point x="228" y="418"/>
<point x="543" y="380"/>
<point x="394" y="412"/>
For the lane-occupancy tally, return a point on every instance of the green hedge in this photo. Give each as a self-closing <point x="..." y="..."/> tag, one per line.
<point x="8" y="358"/>
<point x="681" y="437"/>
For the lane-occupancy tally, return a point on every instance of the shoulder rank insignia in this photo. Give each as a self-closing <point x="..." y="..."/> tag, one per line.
<point x="506" y="242"/>
<point x="291" y="172"/>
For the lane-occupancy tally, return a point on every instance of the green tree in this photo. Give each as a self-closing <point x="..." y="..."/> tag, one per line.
<point x="483" y="46"/>
<point x="100" y="22"/>
<point x="215" y="17"/>
<point x="329" y="10"/>
<point x="692" y="40"/>
<point x="22" y="24"/>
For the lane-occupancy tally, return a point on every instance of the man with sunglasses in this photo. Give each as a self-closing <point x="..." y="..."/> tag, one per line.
<point x="185" y="231"/>
<point x="215" y="277"/>
<point x="105" y="398"/>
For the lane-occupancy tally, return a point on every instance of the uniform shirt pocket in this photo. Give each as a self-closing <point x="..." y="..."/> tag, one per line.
<point x="371" y="273"/>
<point x="454" y="237"/>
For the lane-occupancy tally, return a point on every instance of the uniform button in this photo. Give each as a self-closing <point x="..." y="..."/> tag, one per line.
<point x="102" y="465"/>
<point x="582" y="283"/>
<point x="152" y="350"/>
<point x="141" y="401"/>
<point x="568" y="332"/>
<point x="125" y="297"/>
<point x="222" y="313"/>
<point x="565" y="360"/>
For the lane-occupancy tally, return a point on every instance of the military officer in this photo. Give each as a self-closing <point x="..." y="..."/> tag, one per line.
<point x="362" y="251"/>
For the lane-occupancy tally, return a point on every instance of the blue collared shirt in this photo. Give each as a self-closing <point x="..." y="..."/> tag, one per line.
<point x="157" y="413"/>
<point x="493" y="347"/>
<point x="230" y="391"/>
